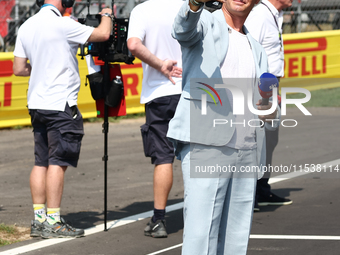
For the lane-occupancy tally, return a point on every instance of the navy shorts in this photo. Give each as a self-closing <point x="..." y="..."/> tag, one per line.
<point x="158" y="113"/>
<point x="57" y="136"/>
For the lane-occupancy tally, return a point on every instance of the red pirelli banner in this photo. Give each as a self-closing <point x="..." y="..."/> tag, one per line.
<point x="13" y="91"/>
<point x="312" y="55"/>
<point x="307" y="55"/>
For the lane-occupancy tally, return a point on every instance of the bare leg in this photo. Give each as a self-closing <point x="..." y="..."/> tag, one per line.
<point x="38" y="184"/>
<point x="54" y="185"/>
<point x="162" y="184"/>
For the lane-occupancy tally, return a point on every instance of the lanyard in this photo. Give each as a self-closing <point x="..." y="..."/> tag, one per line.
<point x="277" y="25"/>
<point x="45" y="5"/>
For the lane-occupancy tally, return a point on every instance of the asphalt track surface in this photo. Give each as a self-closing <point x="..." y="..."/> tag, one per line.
<point x="309" y="226"/>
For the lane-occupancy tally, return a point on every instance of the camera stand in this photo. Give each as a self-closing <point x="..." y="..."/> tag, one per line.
<point x="106" y="131"/>
<point x="110" y="71"/>
<point x="112" y="51"/>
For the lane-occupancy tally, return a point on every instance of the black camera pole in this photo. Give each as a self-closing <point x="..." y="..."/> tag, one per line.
<point x="106" y="79"/>
<point x="106" y="131"/>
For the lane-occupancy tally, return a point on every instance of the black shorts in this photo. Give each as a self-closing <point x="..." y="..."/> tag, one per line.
<point x="57" y="136"/>
<point x="158" y="113"/>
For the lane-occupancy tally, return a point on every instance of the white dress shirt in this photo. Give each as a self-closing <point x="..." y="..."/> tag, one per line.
<point x="265" y="25"/>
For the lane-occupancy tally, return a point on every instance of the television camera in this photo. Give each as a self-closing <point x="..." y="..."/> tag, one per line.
<point x="113" y="50"/>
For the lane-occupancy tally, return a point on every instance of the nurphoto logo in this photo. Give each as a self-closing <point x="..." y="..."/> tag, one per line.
<point x="270" y="90"/>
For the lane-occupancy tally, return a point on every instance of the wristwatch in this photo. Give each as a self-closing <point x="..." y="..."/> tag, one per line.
<point x="107" y="15"/>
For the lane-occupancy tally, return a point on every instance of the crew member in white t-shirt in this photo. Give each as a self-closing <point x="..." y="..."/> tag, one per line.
<point x="149" y="39"/>
<point x="265" y="25"/>
<point x="45" y="50"/>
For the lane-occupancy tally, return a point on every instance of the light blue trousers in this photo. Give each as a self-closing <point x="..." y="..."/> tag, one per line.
<point x="217" y="210"/>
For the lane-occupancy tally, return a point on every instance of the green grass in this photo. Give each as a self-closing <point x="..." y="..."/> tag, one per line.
<point x="4" y="242"/>
<point x="7" y="229"/>
<point x="320" y="98"/>
<point x="9" y="235"/>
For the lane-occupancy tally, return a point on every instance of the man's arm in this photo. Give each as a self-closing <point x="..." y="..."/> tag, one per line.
<point x="103" y="31"/>
<point x="21" y="67"/>
<point x="186" y="29"/>
<point x="167" y="67"/>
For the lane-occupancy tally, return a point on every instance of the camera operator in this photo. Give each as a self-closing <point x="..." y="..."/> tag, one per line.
<point x="50" y="43"/>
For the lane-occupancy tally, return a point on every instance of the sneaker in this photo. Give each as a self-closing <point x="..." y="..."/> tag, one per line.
<point x="60" y="230"/>
<point x="274" y="200"/>
<point x="157" y="229"/>
<point x="36" y="228"/>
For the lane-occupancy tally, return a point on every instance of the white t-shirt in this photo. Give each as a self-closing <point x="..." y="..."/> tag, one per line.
<point x="239" y="68"/>
<point x="263" y="28"/>
<point x="151" y="22"/>
<point x="50" y="43"/>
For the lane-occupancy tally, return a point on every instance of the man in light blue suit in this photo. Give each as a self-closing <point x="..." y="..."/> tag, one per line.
<point x="214" y="130"/>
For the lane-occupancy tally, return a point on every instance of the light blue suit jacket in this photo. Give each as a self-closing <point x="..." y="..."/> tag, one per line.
<point x="204" y="38"/>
